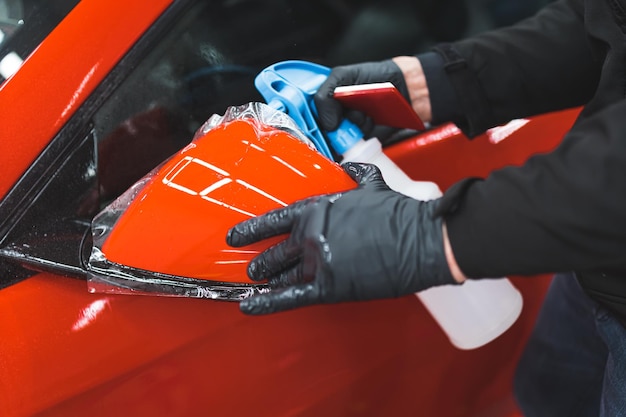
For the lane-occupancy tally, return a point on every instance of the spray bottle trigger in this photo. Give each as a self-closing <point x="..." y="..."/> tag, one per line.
<point x="290" y="86"/>
<point x="345" y="136"/>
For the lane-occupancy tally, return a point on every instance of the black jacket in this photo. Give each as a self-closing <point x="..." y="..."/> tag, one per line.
<point x="564" y="211"/>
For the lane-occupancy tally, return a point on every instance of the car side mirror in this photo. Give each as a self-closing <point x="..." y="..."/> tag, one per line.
<point x="166" y="235"/>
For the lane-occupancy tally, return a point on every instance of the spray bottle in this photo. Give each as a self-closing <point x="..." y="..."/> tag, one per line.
<point x="472" y="314"/>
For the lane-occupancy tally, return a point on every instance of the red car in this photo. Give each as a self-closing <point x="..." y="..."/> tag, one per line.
<point x="109" y="89"/>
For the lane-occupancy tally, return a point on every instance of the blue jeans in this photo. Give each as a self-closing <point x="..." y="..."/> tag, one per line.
<point x="575" y="361"/>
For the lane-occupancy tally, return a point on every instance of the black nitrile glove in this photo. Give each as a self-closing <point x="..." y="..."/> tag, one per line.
<point x="330" y="112"/>
<point x="364" y="244"/>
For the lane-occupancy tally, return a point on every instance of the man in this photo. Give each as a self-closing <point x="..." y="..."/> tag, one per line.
<point x="561" y="212"/>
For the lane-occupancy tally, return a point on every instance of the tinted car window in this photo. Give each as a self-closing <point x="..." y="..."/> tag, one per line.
<point x="209" y="59"/>
<point x="205" y="63"/>
<point x="23" y="25"/>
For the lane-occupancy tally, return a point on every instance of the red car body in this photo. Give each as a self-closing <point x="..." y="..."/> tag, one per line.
<point x="64" y="351"/>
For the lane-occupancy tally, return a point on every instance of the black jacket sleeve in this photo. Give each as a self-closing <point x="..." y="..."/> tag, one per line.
<point x="561" y="211"/>
<point x="543" y="63"/>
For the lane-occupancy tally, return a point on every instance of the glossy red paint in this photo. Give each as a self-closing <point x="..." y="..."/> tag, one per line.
<point x="236" y="171"/>
<point x="58" y="77"/>
<point x="66" y="352"/>
<point x="444" y="154"/>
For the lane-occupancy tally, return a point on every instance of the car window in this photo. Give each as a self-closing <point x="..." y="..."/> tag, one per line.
<point x="23" y="25"/>
<point x="209" y="59"/>
<point x="204" y="64"/>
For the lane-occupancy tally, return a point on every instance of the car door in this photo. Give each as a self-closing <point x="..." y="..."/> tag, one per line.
<point x="112" y="91"/>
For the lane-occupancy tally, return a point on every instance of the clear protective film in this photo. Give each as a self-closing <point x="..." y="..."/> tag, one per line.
<point x="106" y="275"/>
<point x="259" y="112"/>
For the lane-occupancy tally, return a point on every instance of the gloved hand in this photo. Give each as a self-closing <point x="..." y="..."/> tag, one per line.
<point x="330" y="112"/>
<point x="367" y="243"/>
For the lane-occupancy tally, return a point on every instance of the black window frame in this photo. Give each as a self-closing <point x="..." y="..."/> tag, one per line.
<point x="17" y="261"/>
